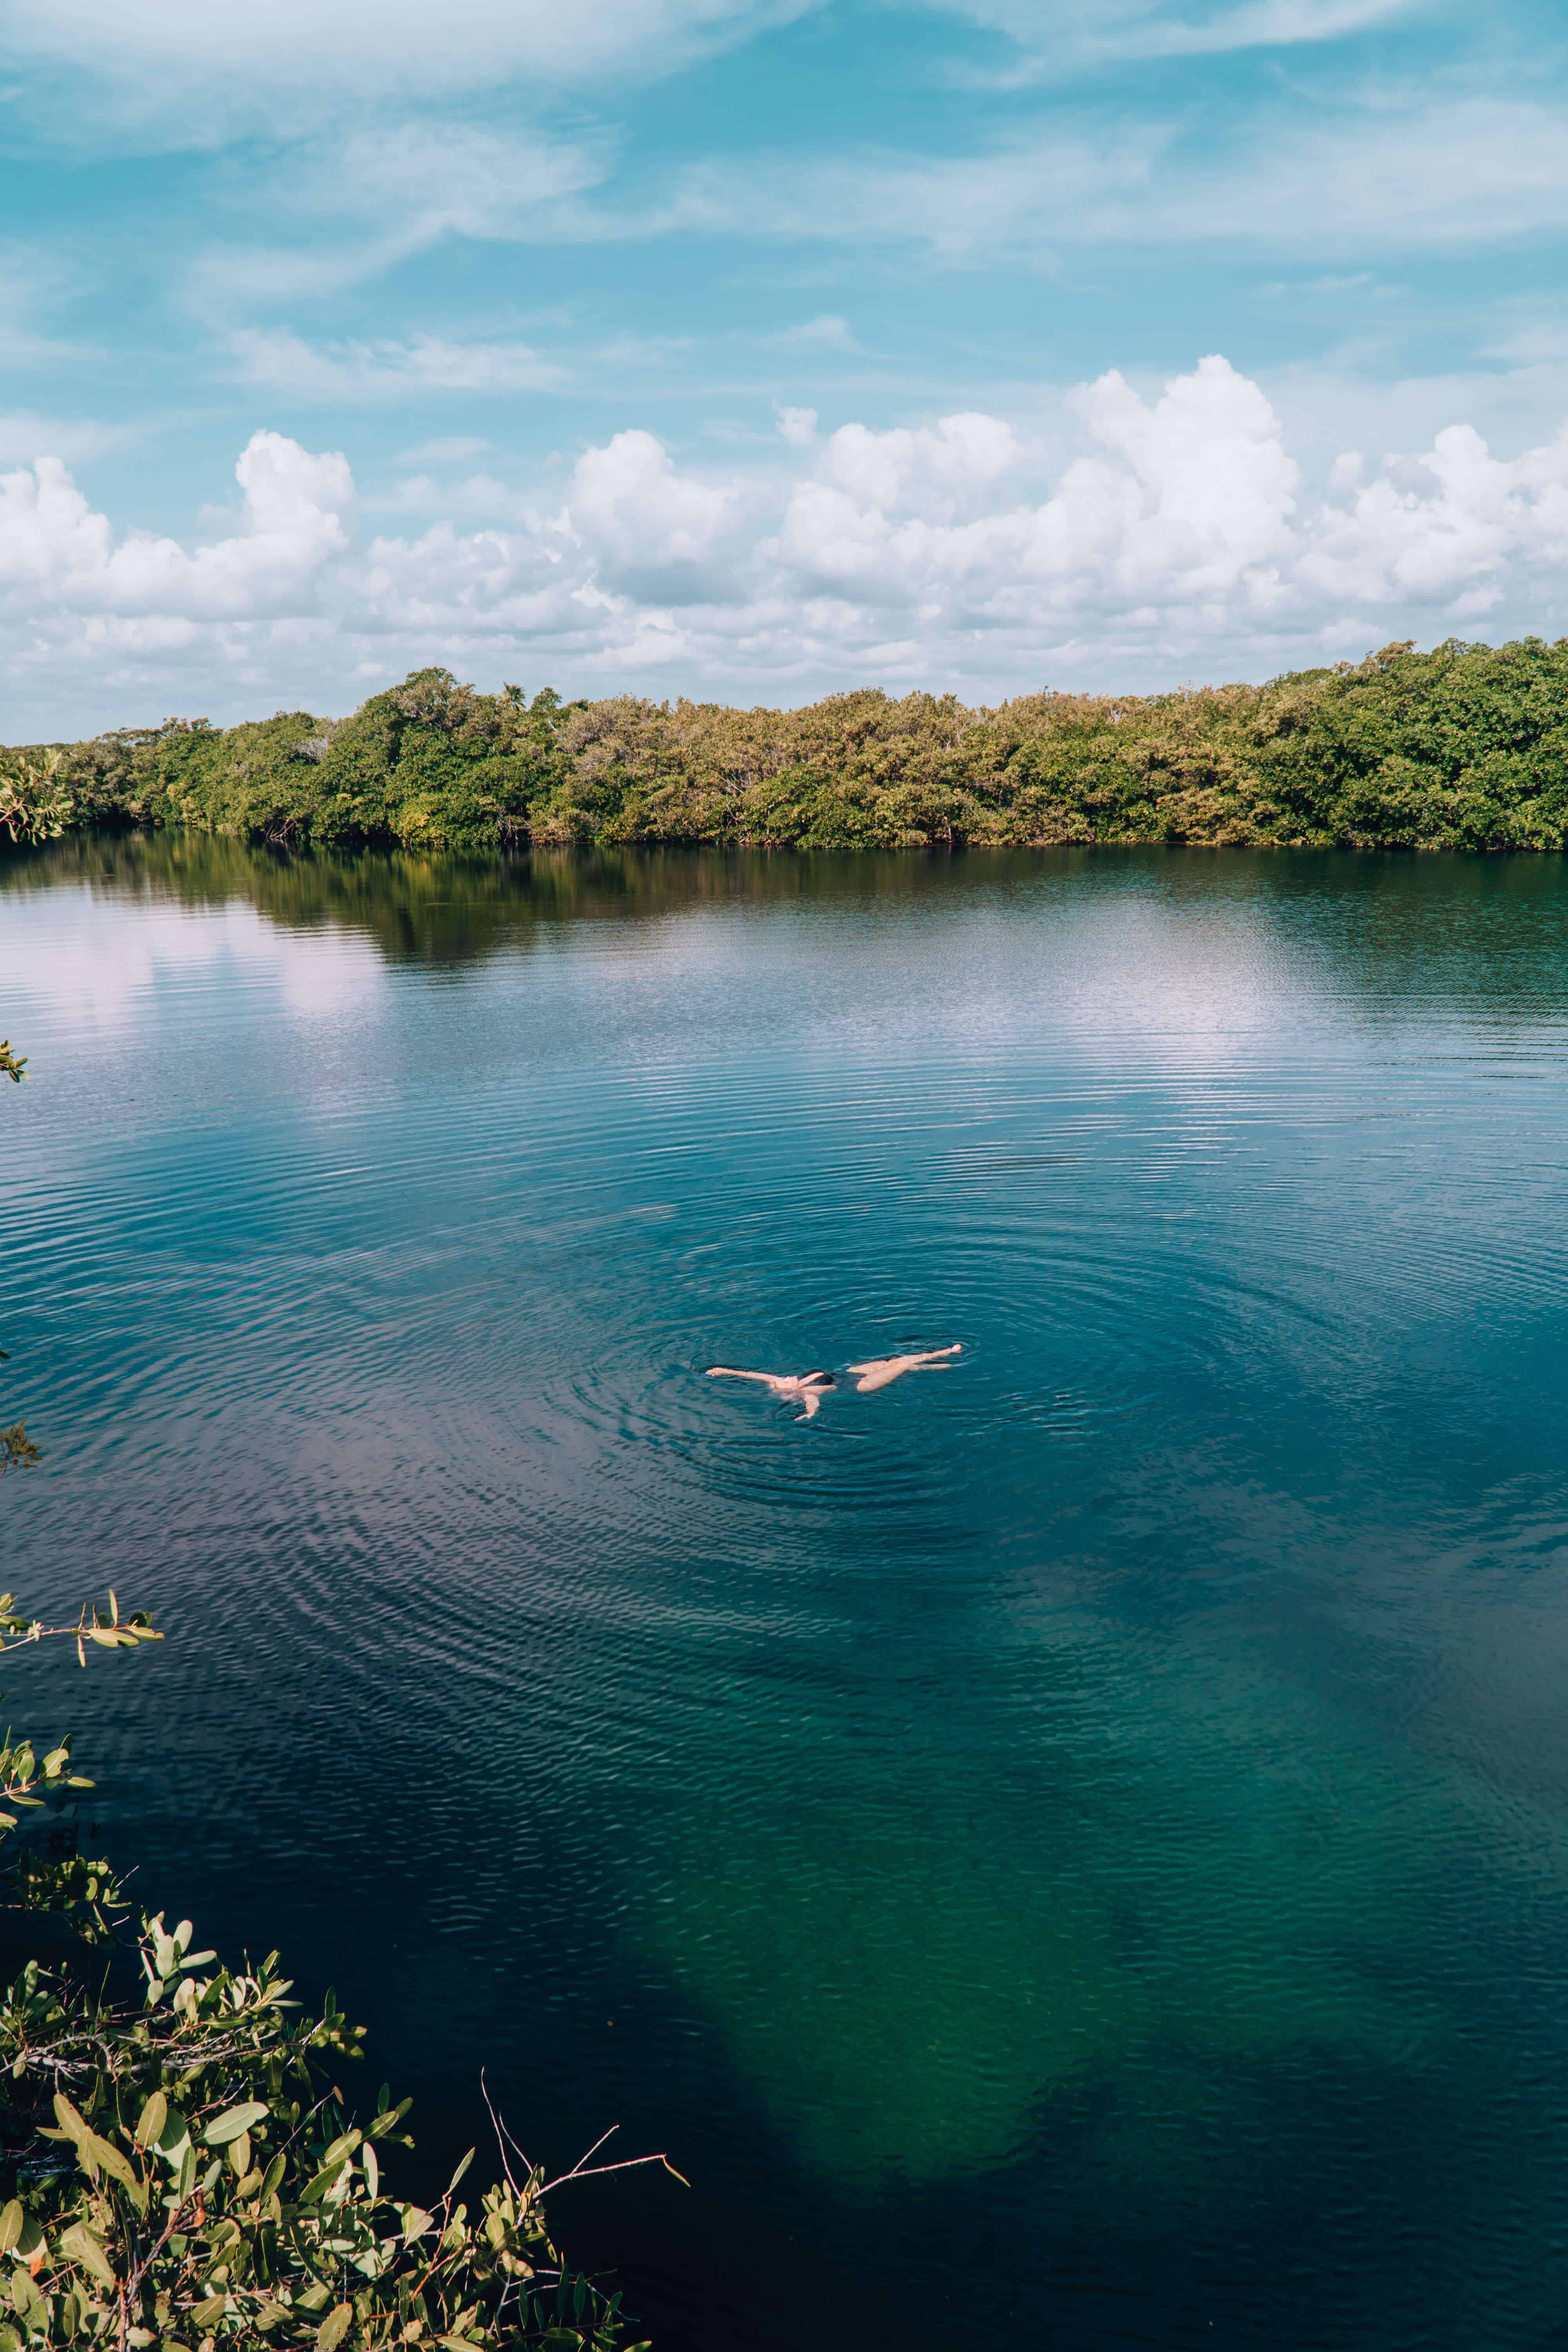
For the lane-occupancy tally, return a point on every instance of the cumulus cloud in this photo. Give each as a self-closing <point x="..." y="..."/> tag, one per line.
<point x="1181" y="538"/>
<point x="646" y="527"/>
<point x="1448" y="524"/>
<point x="57" y="554"/>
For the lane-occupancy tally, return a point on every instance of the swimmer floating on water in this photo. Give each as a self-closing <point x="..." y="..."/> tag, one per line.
<point x="806" y="1386"/>
<point x="883" y="1368"/>
<point x="809" y="1387"/>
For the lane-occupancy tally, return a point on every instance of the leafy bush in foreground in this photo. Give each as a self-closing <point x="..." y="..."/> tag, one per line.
<point x="177" y="2167"/>
<point x="209" y="2186"/>
<point x="1462" y="748"/>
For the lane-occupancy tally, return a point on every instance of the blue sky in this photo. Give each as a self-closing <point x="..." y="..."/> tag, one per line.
<point x="750" y="352"/>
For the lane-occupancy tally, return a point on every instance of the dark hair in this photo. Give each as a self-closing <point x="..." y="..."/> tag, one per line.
<point x="820" y="1380"/>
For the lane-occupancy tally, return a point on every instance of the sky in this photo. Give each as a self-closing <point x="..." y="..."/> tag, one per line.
<point x="754" y="349"/>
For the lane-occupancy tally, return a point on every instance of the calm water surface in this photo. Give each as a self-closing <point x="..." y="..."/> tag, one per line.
<point x="1071" y="1850"/>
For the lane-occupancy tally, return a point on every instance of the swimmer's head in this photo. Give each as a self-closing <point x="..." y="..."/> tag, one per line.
<point x="816" y="1381"/>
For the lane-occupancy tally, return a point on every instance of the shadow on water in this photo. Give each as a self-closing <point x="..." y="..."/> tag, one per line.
<point x="1072" y="1849"/>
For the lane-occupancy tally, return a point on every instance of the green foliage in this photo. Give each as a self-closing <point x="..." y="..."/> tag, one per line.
<point x="17" y="1451"/>
<point x="12" y="1066"/>
<point x="50" y="1875"/>
<point x="33" y="804"/>
<point x="1462" y="748"/>
<point x="180" y="2170"/>
<point x="207" y="2188"/>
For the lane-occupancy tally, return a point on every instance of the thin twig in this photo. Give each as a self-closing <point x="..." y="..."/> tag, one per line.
<point x="627" y="2164"/>
<point x="501" y="2137"/>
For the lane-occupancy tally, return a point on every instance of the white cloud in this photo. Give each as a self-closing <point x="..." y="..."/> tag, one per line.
<point x="56" y="552"/>
<point x="1381" y="171"/>
<point x="310" y="45"/>
<point x="456" y="449"/>
<point x="647" y="527"/>
<point x="478" y="494"/>
<point x="1447" y="524"/>
<point x="37" y="282"/>
<point x="385" y="193"/>
<point x="1086" y="31"/>
<point x="436" y="177"/>
<point x="1181" y="538"/>
<point x="388" y="370"/>
<point x="23" y="437"/>
<point x="934" y="470"/>
<point x="826" y="329"/>
<point x="798" y="425"/>
<point x="1190" y="496"/>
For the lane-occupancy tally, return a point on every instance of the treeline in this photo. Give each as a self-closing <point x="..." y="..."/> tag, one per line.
<point x="1462" y="748"/>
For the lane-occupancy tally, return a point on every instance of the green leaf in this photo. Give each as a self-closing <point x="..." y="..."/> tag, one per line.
<point x="334" y="2328"/>
<point x="233" y="2121"/>
<point x="151" y="2121"/>
<point x="74" y="2125"/>
<point x="104" y="2154"/>
<point x="80" y="2245"/>
<point x="460" y="2172"/>
<point x="388" y="2119"/>
<point x="11" y="2225"/>
<point x="208" y="2313"/>
<point x="318" y="2187"/>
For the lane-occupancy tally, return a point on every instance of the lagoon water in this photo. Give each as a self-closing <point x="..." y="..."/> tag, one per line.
<point x="1070" y="1850"/>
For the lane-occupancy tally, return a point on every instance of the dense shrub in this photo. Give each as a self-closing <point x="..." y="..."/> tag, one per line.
<point x="1462" y="748"/>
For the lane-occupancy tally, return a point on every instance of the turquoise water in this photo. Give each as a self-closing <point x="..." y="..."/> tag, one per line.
<point x="1070" y="1849"/>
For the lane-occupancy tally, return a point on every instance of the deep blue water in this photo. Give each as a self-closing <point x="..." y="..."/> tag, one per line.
<point x="1069" y="1849"/>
